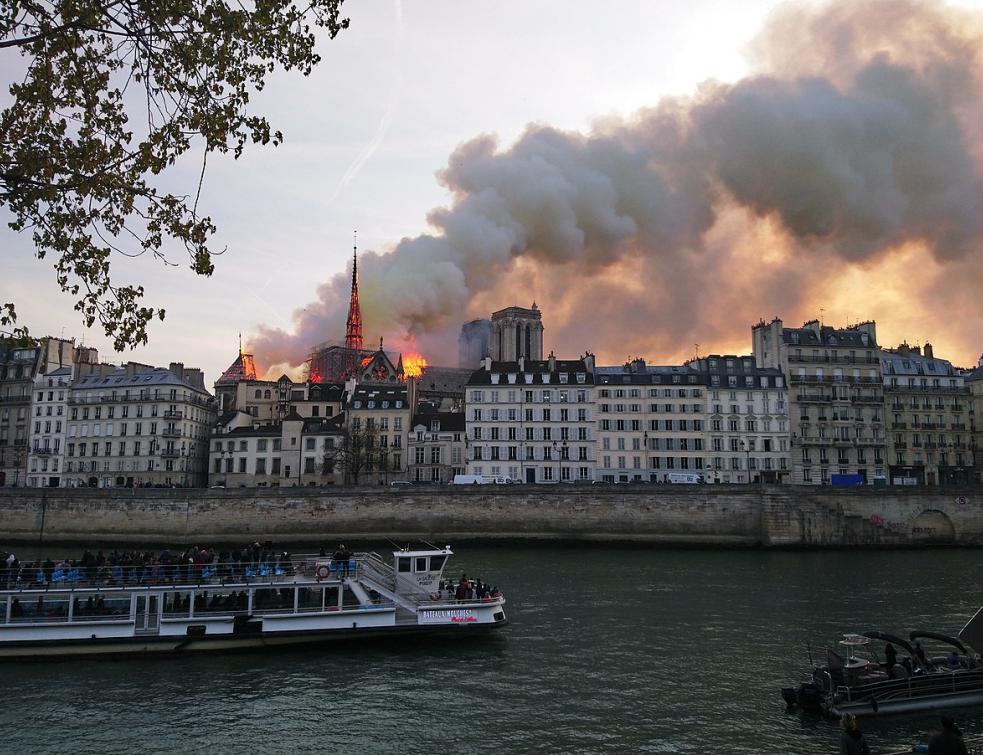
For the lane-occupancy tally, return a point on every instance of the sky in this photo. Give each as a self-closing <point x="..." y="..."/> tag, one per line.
<point x="722" y="234"/>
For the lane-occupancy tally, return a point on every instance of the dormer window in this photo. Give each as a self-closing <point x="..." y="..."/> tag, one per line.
<point x="581" y="378"/>
<point x="435" y="426"/>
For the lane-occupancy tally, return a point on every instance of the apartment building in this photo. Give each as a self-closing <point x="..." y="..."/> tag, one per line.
<point x="928" y="405"/>
<point x="298" y="451"/>
<point x="377" y="421"/>
<point x="532" y="420"/>
<point x="836" y="397"/>
<point x="435" y="447"/>
<point x="46" y="456"/>
<point x="748" y="436"/>
<point x="139" y="426"/>
<point x="651" y="422"/>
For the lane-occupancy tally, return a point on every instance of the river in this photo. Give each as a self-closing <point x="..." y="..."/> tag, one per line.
<point x="609" y="650"/>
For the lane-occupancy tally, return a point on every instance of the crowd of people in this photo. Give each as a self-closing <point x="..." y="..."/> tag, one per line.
<point x="946" y="741"/>
<point x="467" y="589"/>
<point x="193" y="565"/>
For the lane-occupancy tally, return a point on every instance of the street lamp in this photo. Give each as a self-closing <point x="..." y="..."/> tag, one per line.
<point x="747" y="453"/>
<point x="558" y="460"/>
<point x="645" y="450"/>
<point x="564" y="451"/>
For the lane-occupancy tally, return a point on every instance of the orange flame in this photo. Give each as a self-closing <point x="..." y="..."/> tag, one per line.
<point x="413" y="365"/>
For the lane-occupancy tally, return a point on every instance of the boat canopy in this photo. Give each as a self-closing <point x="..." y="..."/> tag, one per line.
<point x="972" y="633"/>
<point x="941" y="638"/>
<point x="893" y="639"/>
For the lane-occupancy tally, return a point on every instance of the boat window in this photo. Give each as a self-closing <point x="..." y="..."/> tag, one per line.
<point x="403" y="564"/>
<point x="310" y="598"/>
<point x="45" y="608"/>
<point x="274" y="599"/>
<point x="3" y="610"/>
<point x="224" y="601"/>
<point x="421" y="563"/>
<point x="437" y="562"/>
<point x="177" y="603"/>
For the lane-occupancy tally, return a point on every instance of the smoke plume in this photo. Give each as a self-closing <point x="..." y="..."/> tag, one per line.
<point x="845" y="174"/>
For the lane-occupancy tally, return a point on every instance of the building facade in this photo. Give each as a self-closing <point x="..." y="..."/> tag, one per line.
<point x="836" y="397"/>
<point x="435" y="447"/>
<point x="748" y="436"/>
<point x="651" y="422"/>
<point x="532" y="420"/>
<point x="139" y="426"/>
<point x="46" y="458"/>
<point x="376" y="424"/>
<point x="928" y="405"/>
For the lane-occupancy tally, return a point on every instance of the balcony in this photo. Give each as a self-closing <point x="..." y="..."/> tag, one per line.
<point x="45" y="451"/>
<point x="868" y="400"/>
<point x="170" y="432"/>
<point x="899" y="426"/>
<point x="170" y="453"/>
<point x="958" y="426"/>
<point x="173" y="414"/>
<point x="831" y="359"/>
<point x="896" y="407"/>
<point x="813" y="398"/>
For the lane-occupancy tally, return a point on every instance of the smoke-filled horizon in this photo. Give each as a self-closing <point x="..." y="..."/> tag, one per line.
<point x="844" y="175"/>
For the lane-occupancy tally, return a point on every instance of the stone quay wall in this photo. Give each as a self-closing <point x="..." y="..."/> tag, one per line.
<point x="684" y="515"/>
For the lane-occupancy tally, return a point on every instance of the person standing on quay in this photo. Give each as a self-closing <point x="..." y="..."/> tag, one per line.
<point x="949" y="741"/>
<point x="852" y="740"/>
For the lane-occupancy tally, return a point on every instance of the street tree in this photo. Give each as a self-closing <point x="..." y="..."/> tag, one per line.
<point x="109" y="94"/>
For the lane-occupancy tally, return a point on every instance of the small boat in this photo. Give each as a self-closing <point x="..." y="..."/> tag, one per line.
<point x="856" y="680"/>
<point x="310" y="599"/>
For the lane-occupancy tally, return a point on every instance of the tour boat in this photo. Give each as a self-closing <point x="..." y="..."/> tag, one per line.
<point x="311" y="599"/>
<point x="859" y="682"/>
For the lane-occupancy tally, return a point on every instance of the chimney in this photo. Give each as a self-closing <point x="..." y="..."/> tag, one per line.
<point x="552" y="361"/>
<point x="589" y="361"/>
<point x="411" y="393"/>
<point x="928" y="350"/>
<point x="487" y="363"/>
<point x="522" y="364"/>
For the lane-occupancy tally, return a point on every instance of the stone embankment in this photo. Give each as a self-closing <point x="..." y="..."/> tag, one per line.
<point x="770" y="516"/>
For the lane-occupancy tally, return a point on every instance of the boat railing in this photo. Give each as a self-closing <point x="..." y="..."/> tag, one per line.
<point x="454" y="602"/>
<point x="157" y="575"/>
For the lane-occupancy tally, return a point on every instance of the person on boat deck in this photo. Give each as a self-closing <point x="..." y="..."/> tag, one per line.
<point x="891" y="657"/>
<point x="16" y="610"/>
<point x="949" y="741"/>
<point x="952" y="660"/>
<point x="852" y="740"/>
<point x="920" y="656"/>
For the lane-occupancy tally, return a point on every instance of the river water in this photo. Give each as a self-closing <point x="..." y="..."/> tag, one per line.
<point x="610" y="650"/>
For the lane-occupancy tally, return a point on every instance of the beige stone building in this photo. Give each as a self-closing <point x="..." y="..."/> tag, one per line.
<point x="139" y="426"/>
<point x="435" y="446"/>
<point x="532" y="420"/>
<point x="377" y="422"/>
<point x="928" y="405"/>
<point x="836" y="397"/>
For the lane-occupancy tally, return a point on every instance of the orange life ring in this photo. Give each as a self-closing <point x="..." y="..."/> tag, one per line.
<point x="321" y="572"/>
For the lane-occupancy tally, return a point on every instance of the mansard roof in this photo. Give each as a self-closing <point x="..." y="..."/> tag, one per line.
<point x="564" y="372"/>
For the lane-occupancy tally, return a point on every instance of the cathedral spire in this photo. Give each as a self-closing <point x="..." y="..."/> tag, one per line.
<point x="353" y="330"/>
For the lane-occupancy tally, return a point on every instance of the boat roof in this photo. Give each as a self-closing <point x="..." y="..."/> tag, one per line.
<point x="445" y="551"/>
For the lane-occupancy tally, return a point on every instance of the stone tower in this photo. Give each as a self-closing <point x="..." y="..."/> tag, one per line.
<point x="516" y="332"/>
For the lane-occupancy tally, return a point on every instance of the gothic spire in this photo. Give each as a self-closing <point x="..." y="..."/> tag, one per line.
<point x="353" y="329"/>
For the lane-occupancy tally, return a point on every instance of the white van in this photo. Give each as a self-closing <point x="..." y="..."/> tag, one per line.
<point x="683" y="478"/>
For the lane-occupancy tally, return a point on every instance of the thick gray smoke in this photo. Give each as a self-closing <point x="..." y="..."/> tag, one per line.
<point x="857" y="138"/>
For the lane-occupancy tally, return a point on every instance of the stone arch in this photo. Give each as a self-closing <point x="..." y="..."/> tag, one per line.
<point x="932" y="526"/>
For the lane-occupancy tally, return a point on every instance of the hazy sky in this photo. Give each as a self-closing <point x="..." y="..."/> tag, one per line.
<point x="393" y="97"/>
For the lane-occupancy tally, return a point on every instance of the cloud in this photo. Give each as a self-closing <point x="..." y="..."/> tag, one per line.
<point x="856" y="137"/>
